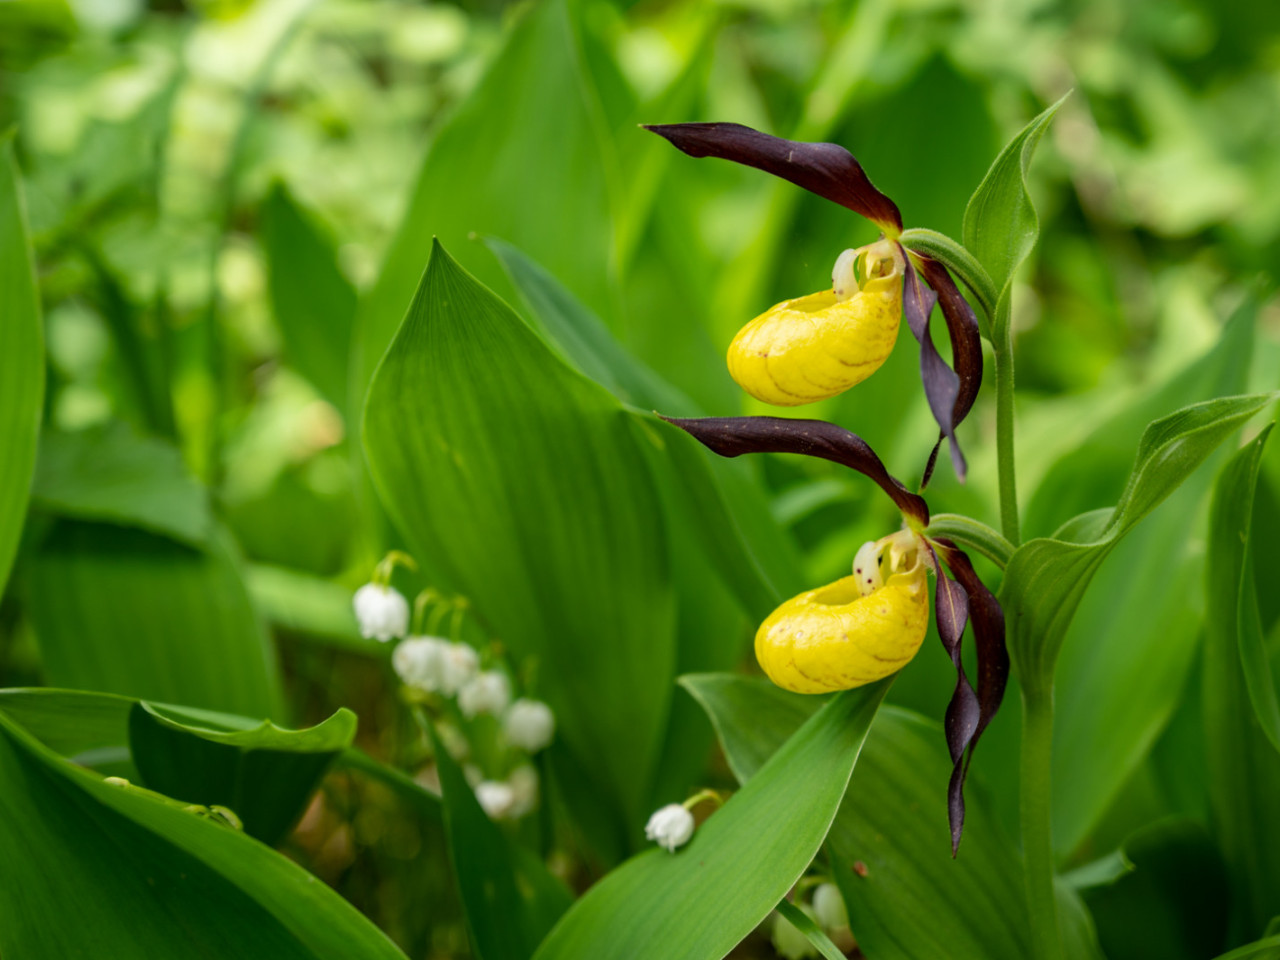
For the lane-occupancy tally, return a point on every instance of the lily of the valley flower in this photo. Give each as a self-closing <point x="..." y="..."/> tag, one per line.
<point x="670" y="826"/>
<point x="487" y="692"/>
<point x="381" y="611"/>
<point x="529" y="725"/>
<point x="434" y="665"/>
<point x="817" y="346"/>
<point x="870" y="624"/>
<point x="829" y="909"/>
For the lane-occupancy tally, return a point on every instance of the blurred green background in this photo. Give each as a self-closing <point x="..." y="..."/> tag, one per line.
<point x="232" y="202"/>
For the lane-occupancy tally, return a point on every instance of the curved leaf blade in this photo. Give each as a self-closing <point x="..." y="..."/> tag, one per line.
<point x="21" y="359"/>
<point x="749" y="853"/>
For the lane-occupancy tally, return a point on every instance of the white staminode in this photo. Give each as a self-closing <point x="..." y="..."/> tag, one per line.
<point x="828" y="907"/>
<point x="496" y="798"/>
<point x="866" y="567"/>
<point x="843" y="279"/>
<point x="529" y="725"/>
<point x="381" y="612"/>
<point x="670" y="826"/>
<point x="487" y="692"/>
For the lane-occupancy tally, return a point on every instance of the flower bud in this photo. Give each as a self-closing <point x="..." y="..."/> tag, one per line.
<point x="487" y="692"/>
<point x="670" y="826"/>
<point x="497" y="798"/>
<point x="841" y="636"/>
<point x="381" y="611"/>
<point x="529" y="725"/>
<point x="828" y="908"/>
<point x="790" y="942"/>
<point x="810" y="348"/>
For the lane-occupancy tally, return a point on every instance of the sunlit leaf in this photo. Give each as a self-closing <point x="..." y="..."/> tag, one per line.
<point x="890" y="845"/>
<point x="521" y="484"/>
<point x="1046" y="578"/>
<point x="21" y="360"/>
<point x="748" y="853"/>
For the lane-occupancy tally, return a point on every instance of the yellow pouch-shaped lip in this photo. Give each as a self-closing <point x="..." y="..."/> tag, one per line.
<point x="810" y="348"/>
<point x="834" y="638"/>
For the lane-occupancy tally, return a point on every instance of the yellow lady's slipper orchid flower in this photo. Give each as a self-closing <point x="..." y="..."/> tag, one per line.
<point x="854" y="631"/>
<point x="818" y="346"/>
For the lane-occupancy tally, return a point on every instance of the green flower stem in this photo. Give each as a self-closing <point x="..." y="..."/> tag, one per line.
<point x="1037" y="830"/>
<point x="973" y="534"/>
<point x="1002" y="341"/>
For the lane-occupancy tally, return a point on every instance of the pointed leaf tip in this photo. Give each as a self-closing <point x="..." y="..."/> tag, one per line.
<point x="827" y="169"/>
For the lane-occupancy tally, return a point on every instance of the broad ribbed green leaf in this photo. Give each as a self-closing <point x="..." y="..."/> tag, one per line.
<point x="313" y="302"/>
<point x="909" y="900"/>
<point x="70" y="722"/>
<point x="699" y="902"/>
<point x="521" y="484"/>
<point x="730" y="511"/>
<point x="121" y="610"/>
<point x="112" y="473"/>
<point x="1131" y="645"/>
<point x="511" y="899"/>
<point x="521" y="158"/>
<point x="21" y="360"/>
<point x="1243" y="764"/>
<point x="1267" y="948"/>
<point x="1000" y="223"/>
<point x="311" y="606"/>
<point x="263" y="773"/>
<point x="92" y="869"/>
<point x="1046" y="578"/>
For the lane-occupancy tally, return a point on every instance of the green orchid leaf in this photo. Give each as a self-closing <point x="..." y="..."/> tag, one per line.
<point x="148" y="878"/>
<point x="121" y="610"/>
<point x="533" y="125"/>
<point x="1172" y="901"/>
<point x="907" y="898"/>
<point x="263" y="773"/>
<point x="521" y="484"/>
<point x="21" y="360"/>
<point x="729" y="507"/>
<point x="113" y="474"/>
<point x="1046" y="578"/>
<point x="510" y="897"/>
<point x="748" y="853"/>
<point x="1000" y="222"/>
<point x="313" y="303"/>
<point x="1243" y="763"/>
<point x="1132" y="643"/>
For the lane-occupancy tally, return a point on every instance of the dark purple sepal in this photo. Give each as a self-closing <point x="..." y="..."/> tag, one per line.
<point x="941" y="383"/>
<point x="962" y="326"/>
<point x="960" y="724"/>
<point x="734" y="436"/>
<point x="969" y="713"/>
<point x="827" y="169"/>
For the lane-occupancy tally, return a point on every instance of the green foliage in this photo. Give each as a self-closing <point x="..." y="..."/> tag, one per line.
<point x="523" y="485"/>
<point x="21" y="359"/>
<point x="148" y="877"/>
<point x="753" y="850"/>
<point x="263" y="773"/>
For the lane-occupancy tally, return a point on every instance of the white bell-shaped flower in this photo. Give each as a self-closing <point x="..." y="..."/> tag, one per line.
<point x="670" y="826"/>
<point x="524" y="787"/>
<point x="790" y="942"/>
<point x="529" y="725"/>
<point x="487" y="692"/>
<point x="461" y="662"/>
<point x="497" y="798"/>
<point x="420" y="662"/>
<point x="381" y="611"/>
<point x="828" y="907"/>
